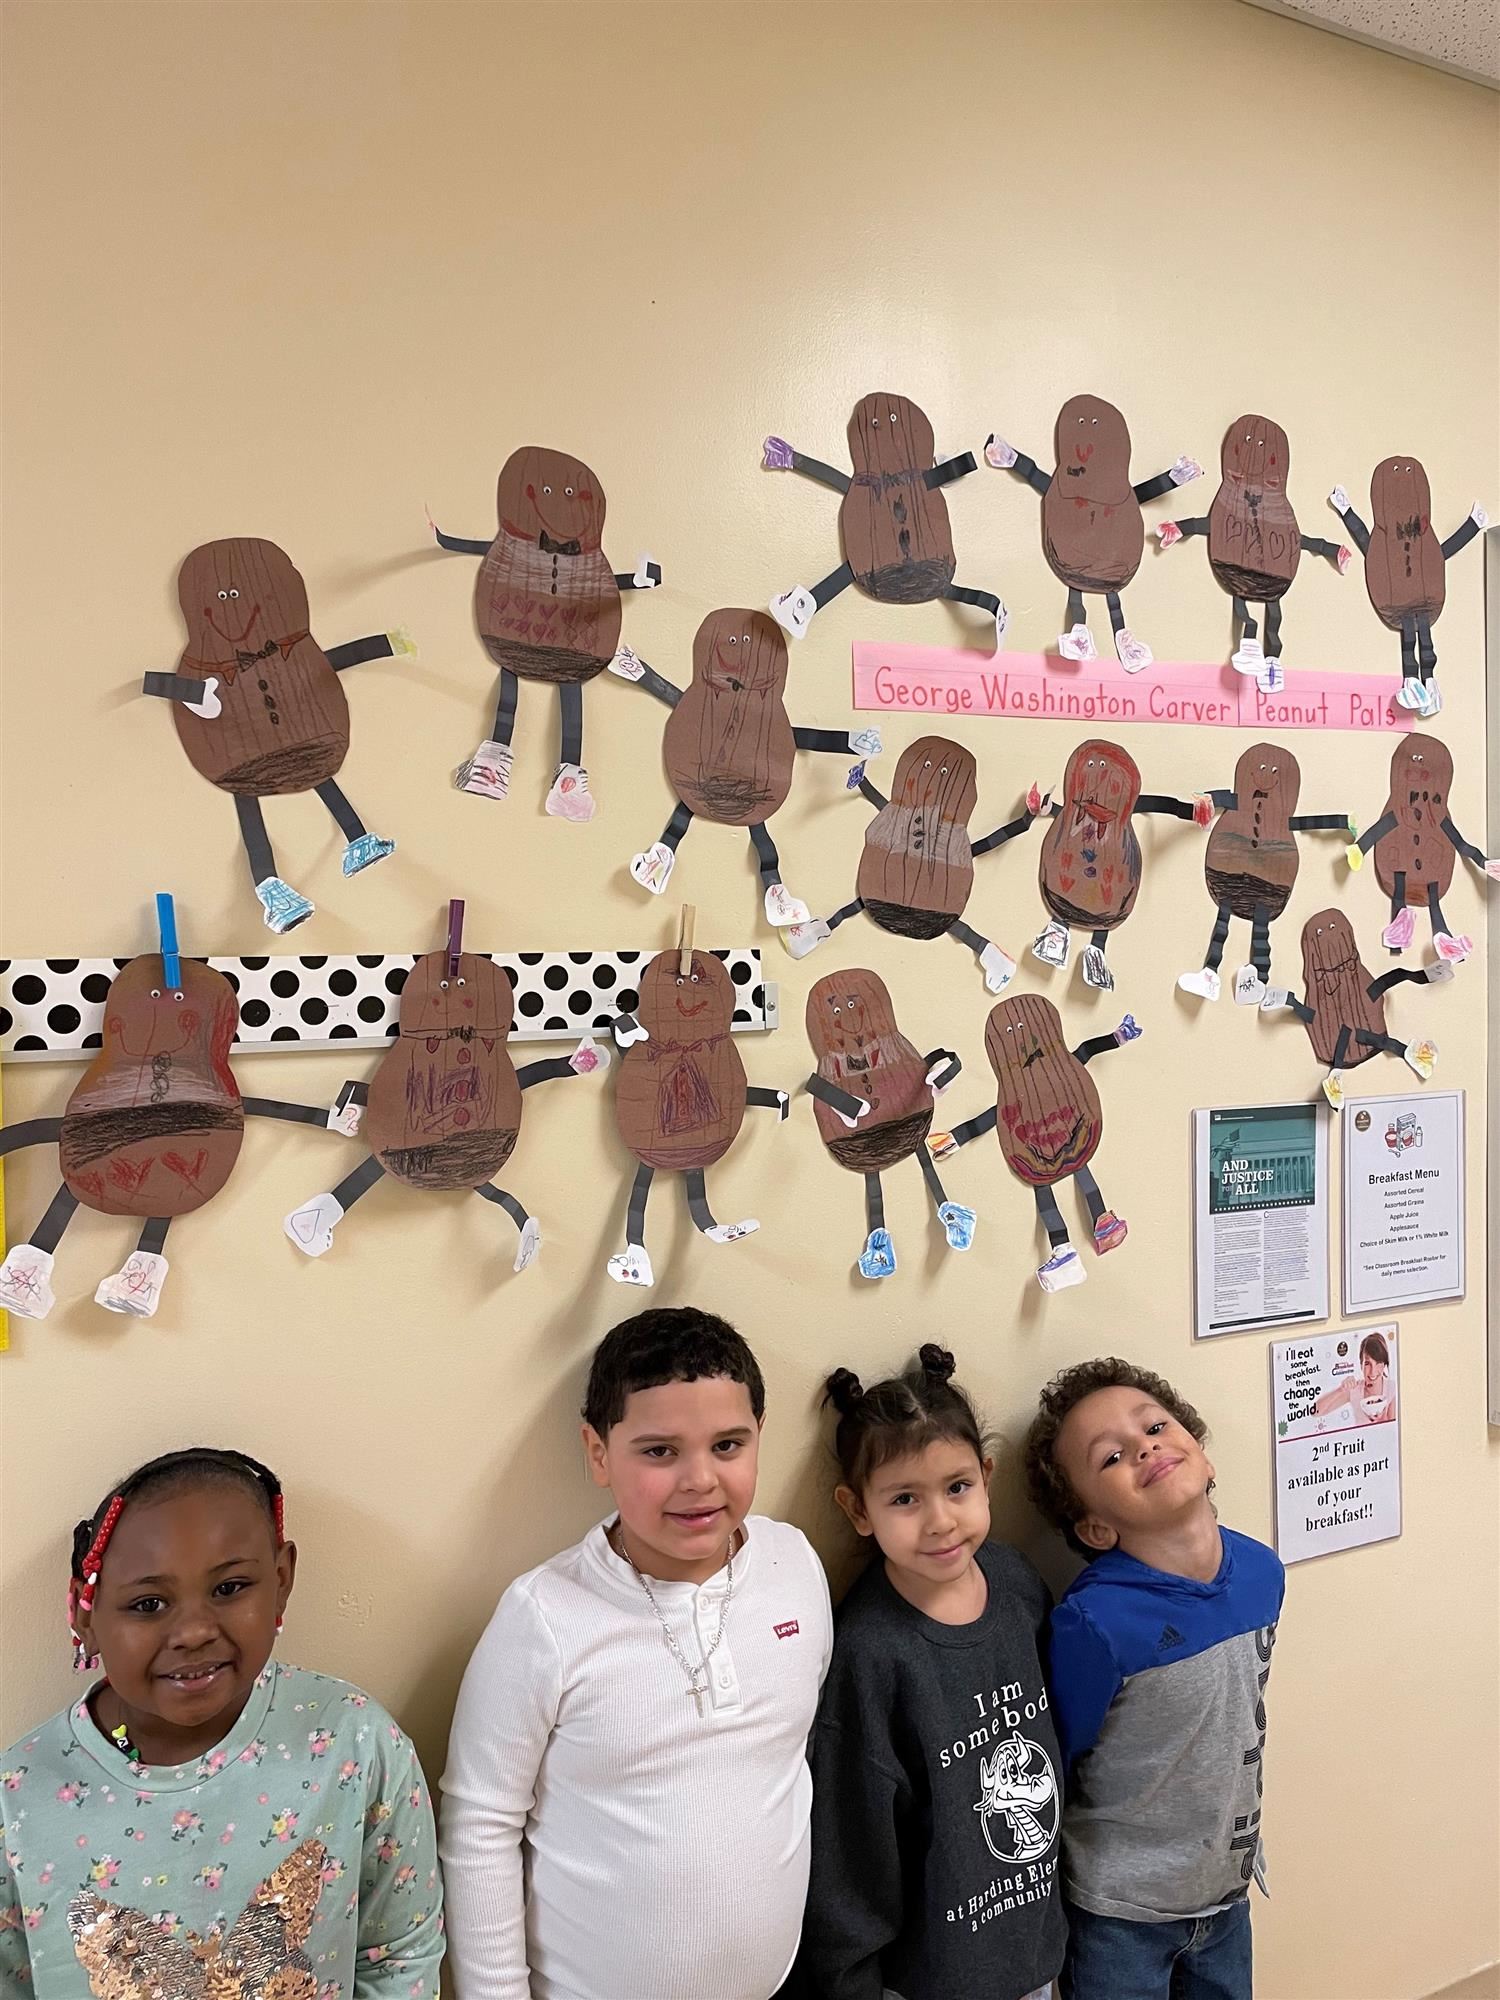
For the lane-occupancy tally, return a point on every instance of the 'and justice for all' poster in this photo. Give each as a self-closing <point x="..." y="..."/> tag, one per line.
<point x="1336" y="1421"/>
<point x="1260" y="1216"/>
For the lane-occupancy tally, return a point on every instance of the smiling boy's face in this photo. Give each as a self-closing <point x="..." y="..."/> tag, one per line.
<point x="682" y="1465"/>
<point x="1135" y="1469"/>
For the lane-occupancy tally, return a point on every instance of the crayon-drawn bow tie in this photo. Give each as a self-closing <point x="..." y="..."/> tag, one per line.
<point x="550" y="548"/>
<point x="657" y="1051"/>
<point x="244" y="659"/>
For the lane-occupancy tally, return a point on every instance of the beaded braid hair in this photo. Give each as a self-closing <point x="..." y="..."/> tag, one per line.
<point x="200" y="1465"/>
<point x="903" y="1414"/>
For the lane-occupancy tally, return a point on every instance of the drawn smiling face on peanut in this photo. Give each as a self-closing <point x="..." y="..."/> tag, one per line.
<point x="546" y="492"/>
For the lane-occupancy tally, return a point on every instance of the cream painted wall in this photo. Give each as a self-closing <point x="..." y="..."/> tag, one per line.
<point x="292" y="269"/>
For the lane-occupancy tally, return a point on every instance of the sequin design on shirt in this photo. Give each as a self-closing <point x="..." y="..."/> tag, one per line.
<point x="127" y="1956"/>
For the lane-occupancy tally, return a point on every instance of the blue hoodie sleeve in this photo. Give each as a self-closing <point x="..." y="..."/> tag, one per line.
<point x="1086" y="1678"/>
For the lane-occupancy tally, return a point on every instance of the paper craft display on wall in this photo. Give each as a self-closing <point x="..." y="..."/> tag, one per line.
<point x="1406" y="567"/>
<point x="682" y="1093"/>
<point x="1343" y="1006"/>
<point x="547" y="605"/>
<point x="872" y="1098"/>
<point x="893" y="519"/>
<point x="444" y="1108"/>
<point x="1093" y="531"/>
<point x="259" y="706"/>
<point x="917" y="868"/>
<point x="1090" y="869"/>
<point x="1415" y="843"/>
<point x="729" y="746"/>
<point x="152" y="1130"/>
<point x="1254" y="543"/>
<point x="1251" y="862"/>
<point x="1049" y="1122"/>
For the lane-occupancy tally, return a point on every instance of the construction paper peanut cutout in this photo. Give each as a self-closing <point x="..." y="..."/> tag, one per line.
<point x="1048" y="1120"/>
<point x="444" y="1106"/>
<point x="729" y="745"/>
<point x="153" y="1130"/>
<point x="917" y="867"/>
<point x="1416" y="843"/>
<point x="1090" y="867"/>
<point x="1343" y="1007"/>
<point x="1093" y="531"/>
<point x="682" y="1093"/>
<point x="872" y="1099"/>
<point x="1406" y="567"/>
<point x="258" y="704"/>
<point x="1251" y="861"/>
<point x="547" y="605"/>
<point x="1254" y="542"/>
<point x="893" y="519"/>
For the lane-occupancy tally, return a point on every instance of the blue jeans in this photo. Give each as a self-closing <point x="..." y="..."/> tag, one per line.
<point x="1191" y="1958"/>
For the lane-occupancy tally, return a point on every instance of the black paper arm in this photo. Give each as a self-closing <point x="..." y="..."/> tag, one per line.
<point x="1319" y="823"/>
<point x="835" y="740"/>
<point x="1384" y="825"/>
<point x="30" y="1132"/>
<point x="873" y="793"/>
<point x="459" y="544"/>
<point x="948" y="469"/>
<point x="842" y="1101"/>
<point x="174" y="687"/>
<point x="1462" y="535"/>
<point x="357" y="651"/>
<point x="1359" y="534"/>
<point x="625" y="579"/>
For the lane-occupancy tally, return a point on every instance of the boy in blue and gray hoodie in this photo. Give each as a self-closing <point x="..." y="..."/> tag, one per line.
<point x="1160" y="1654"/>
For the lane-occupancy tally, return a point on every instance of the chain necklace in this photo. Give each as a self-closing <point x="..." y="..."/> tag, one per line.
<point x="696" y="1687"/>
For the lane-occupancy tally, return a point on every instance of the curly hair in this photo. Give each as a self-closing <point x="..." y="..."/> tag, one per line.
<point x="666" y="1344"/>
<point x="1051" y="1494"/>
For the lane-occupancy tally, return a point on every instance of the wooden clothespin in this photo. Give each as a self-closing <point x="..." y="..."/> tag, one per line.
<point x="685" y="925"/>
<point x="455" y="935"/>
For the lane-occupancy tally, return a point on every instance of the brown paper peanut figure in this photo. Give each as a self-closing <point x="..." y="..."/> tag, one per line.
<point x="1254" y="543"/>
<point x="872" y="1099"/>
<point x="1093" y="532"/>
<point x="444" y="1107"/>
<point x="1406" y="567"/>
<point x="1090" y="865"/>
<point x="729" y="746"/>
<point x="152" y="1130"/>
<point x="1415" y="842"/>
<point x="893" y="520"/>
<point x="1250" y="864"/>
<point x="547" y="605"/>
<point x="1048" y="1121"/>
<point x="682" y="1094"/>
<point x="1343" y="1007"/>
<point x="918" y="863"/>
<point x="259" y="706"/>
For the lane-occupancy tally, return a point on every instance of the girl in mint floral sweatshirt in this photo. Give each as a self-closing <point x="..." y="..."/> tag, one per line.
<point x="205" y="1822"/>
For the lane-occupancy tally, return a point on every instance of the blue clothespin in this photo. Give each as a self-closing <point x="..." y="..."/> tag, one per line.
<point x="166" y="923"/>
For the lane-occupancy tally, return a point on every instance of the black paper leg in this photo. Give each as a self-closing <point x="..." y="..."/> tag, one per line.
<point x="1398" y="893"/>
<point x="350" y="825"/>
<point x="676" y="826"/>
<point x="1116" y="611"/>
<point x="257" y="841"/>
<point x="1408" y="649"/>
<point x="48" y="1232"/>
<point x="697" y="1199"/>
<point x="1099" y="940"/>
<point x="1387" y="1043"/>
<point x="352" y="1186"/>
<point x="635" y="1215"/>
<point x="1075" y="615"/>
<point x="1214" y="957"/>
<point x="1260" y="943"/>
<point x="930" y="1174"/>
<point x="570" y="701"/>
<point x="505" y="707"/>
<point x="1435" y="911"/>
<point x="874" y="1204"/>
<point x="842" y="916"/>
<point x="966" y="934"/>
<point x="1273" y="628"/>
<point x="1248" y="625"/>
<point x="765" y="851"/>
<point x="1051" y="1216"/>
<point x="1088" y="1187"/>
<point x="836" y="581"/>
<point x="983" y="600"/>
<point x="154" y="1235"/>
<point x="1341" y="1047"/>
<point x="506" y="1201"/>
<point x="1426" y="651"/>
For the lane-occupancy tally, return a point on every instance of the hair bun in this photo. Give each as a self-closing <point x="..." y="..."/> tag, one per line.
<point x="936" y="1361"/>
<point x="844" y="1390"/>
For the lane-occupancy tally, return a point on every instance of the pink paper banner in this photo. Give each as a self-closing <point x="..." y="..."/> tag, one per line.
<point x="944" y="681"/>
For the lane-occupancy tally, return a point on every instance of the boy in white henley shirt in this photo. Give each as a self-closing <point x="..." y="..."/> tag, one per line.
<point x="627" y="1799"/>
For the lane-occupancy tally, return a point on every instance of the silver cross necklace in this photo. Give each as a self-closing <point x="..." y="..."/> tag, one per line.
<point x="697" y="1687"/>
